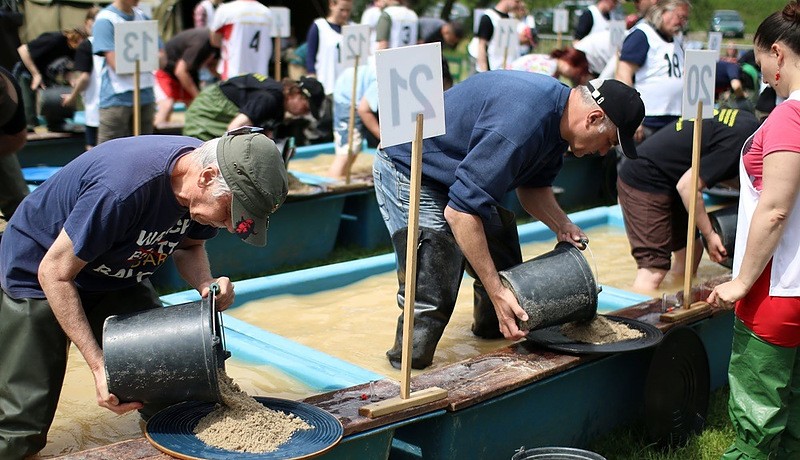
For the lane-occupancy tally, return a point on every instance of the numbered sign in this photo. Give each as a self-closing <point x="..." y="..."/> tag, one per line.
<point x="560" y="20"/>
<point x="507" y="41"/>
<point x="477" y="14"/>
<point x="698" y="82"/>
<point x="616" y="31"/>
<point x="714" y="41"/>
<point x="355" y="42"/>
<point x="410" y="82"/>
<point x="136" y="41"/>
<point x="281" y="20"/>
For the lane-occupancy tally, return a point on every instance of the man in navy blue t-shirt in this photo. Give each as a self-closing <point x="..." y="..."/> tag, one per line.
<point x="505" y="130"/>
<point x="82" y="246"/>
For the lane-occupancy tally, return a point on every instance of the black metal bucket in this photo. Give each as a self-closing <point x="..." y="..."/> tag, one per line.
<point x="165" y="355"/>
<point x="556" y="453"/>
<point x="556" y="287"/>
<point x="723" y="221"/>
<point x="52" y="109"/>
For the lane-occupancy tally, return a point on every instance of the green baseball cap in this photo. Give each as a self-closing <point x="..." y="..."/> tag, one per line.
<point x="253" y="168"/>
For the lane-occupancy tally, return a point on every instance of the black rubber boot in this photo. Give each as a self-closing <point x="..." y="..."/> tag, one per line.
<point x="503" y="242"/>
<point x="440" y="266"/>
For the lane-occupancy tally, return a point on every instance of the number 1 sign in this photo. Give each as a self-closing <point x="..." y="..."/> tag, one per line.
<point x="698" y="83"/>
<point x="410" y="82"/>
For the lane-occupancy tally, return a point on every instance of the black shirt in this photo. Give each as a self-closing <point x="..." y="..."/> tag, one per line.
<point x="257" y="96"/>
<point x="665" y="156"/>
<point x="83" y="57"/>
<point x="191" y="45"/>
<point x="48" y="47"/>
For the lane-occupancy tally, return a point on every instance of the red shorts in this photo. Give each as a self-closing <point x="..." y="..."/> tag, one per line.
<point x="774" y="319"/>
<point x="171" y="87"/>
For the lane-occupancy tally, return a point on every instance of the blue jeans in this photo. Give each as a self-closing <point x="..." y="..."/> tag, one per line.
<point x="391" y="191"/>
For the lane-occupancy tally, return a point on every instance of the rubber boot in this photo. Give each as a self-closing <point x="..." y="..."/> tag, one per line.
<point x="503" y="242"/>
<point x="440" y="266"/>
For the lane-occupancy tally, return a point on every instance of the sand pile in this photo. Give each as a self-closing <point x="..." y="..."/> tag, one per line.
<point x="245" y="425"/>
<point x="599" y="331"/>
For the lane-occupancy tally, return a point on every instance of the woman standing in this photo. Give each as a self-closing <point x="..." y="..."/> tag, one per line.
<point x="764" y="372"/>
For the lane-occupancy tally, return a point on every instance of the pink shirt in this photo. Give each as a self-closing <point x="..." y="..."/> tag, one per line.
<point x="780" y="132"/>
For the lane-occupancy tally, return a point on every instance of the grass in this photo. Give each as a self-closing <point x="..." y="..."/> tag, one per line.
<point x="629" y="443"/>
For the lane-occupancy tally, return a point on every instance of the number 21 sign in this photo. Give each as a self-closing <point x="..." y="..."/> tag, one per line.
<point x="410" y="82"/>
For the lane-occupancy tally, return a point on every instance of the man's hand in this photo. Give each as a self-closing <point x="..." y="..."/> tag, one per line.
<point x="225" y="295"/>
<point x="726" y="294"/>
<point x="572" y="234"/>
<point x="716" y="250"/>
<point x="108" y="400"/>
<point x="508" y="311"/>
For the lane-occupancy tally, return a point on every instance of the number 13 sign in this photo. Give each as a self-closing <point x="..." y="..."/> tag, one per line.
<point x="136" y="41"/>
<point x="410" y="82"/>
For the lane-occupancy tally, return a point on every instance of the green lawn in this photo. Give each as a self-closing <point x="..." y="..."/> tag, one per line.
<point x="629" y="443"/>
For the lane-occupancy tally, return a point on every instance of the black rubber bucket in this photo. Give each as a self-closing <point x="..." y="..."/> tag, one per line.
<point x="723" y="221"/>
<point x="52" y="110"/>
<point x="554" y="288"/>
<point x="165" y="355"/>
<point x="556" y="453"/>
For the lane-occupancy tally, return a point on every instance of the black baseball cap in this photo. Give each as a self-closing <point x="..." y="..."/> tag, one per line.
<point x="313" y="90"/>
<point x="623" y="106"/>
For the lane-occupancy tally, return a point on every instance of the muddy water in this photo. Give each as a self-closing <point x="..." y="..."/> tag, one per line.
<point x="356" y="323"/>
<point x="319" y="164"/>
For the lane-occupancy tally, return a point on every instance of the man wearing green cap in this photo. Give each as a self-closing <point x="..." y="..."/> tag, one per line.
<point x="82" y="246"/>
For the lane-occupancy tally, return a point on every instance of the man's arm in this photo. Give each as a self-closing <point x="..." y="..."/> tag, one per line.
<point x="369" y="118"/>
<point x="716" y="250"/>
<point x="80" y="85"/>
<point x="483" y="57"/>
<point x="540" y="202"/>
<point x="185" y="78"/>
<point x="238" y="121"/>
<point x="36" y="75"/>
<point x="471" y="238"/>
<point x="625" y="72"/>
<point x="191" y="260"/>
<point x="57" y="272"/>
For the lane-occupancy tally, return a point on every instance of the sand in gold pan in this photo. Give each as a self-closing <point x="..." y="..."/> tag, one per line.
<point x="245" y="425"/>
<point x="599" y="331"/>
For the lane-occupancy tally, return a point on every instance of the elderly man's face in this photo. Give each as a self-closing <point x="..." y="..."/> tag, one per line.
<point x="209" y="210"/>
<point x="674" y="21"/>
<point x="590" y="140"/>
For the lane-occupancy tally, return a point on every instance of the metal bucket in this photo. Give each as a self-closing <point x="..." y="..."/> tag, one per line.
<point x="165" y="355"/>
<point x="554" y="288"/>
<point x="723" y="221"/>
<point x="556" y="453"/>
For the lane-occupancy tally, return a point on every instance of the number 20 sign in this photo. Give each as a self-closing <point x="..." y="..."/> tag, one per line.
<point x="136" y="41"/>
<point x="698" y="83"/>
<point x="410" y="82"/>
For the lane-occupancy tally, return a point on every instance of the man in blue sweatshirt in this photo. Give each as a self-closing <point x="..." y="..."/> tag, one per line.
<point x="505" y="130"/>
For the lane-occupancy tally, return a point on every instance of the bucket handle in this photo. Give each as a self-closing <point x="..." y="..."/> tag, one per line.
<point x="216" y="317"/>
<point x="585" y="243"/>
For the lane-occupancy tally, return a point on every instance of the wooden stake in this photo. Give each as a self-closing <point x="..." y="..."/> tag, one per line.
<point x="351" y="123"/>
<point x="689" y="309"/>
<point x="418" y="398"/>
<point x="137" y="108"/>
<point x="277" y="56"/>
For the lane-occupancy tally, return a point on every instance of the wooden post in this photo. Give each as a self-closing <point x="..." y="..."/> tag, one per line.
<point x="351" y="123"/>
<point x="690" y="309"/>
<point x="276" y="54"/>
<point x="137" y="107"/>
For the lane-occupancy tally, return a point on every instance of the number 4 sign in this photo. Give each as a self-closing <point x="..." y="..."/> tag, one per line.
<point x="410" y="82"/>
<point x="698" y="83"/>
<point x="136" y="41"/>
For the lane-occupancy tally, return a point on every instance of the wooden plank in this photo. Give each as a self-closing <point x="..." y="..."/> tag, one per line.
<point x="697" y="310"/>
<point x="399" y="403"/>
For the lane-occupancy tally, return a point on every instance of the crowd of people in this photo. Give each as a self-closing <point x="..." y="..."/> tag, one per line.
<point x="90" y="236"/>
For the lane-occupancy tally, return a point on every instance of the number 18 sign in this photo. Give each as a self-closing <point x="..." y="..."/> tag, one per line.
<point x="410" y="82"/>
<point x="698" y="83"/>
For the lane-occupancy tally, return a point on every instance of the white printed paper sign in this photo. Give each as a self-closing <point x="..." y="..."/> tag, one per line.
<point x="136" y="41"/>
<point x="281" y="21"/>
<point x="355" y="42"/>
<point x="698" y="82"/>
<point x="410" y="82"/>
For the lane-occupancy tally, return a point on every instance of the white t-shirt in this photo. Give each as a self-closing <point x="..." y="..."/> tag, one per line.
<point x="245" y="26"/>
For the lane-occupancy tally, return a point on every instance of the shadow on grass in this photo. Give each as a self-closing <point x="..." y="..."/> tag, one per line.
<point x="630" y="442"/>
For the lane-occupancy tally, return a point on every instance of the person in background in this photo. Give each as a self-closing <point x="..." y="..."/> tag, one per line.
<point x="342" y="99"/>
<point x="655" y="192"/>
<point x="36" y="58"/>
<point x="729" y="90"/>
<point x="731" y="53"/>
<point x="398" y="26"/>
<point x="764" y="369"/>
<point x="370" y="17"/>
<point x="433" y="30"/>
<point x="641" y="7"/>
<point x="83" y="245"/>
<point x="178" y="77"/>
<point x="642" y="63"/>
<point x="251" y="100"/>
<point x="116" y="91"/>
<point x="323" y="41"/>
<point x="484" y="46"/>
<point x="487" y="151"/>
<point x="242" y="29"/>
<point x="13" y="136"/>
<point x="526" y="29"/>
<point x="87" y="83"/>
<point x="600" y="53"/>
<point x="203" y="13"/>
<point x="568" y="63"/>
<point x="595" y="18"/>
